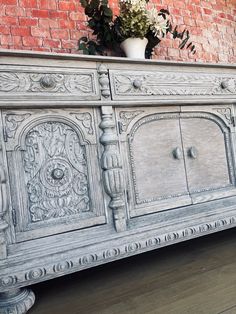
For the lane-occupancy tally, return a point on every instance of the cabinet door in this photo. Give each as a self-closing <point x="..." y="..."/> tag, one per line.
<point x="154" y="160"/>
<point x="54" y="171"/>
<point x="208" y="157"/>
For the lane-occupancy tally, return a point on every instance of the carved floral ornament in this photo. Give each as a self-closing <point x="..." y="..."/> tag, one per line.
<point x="165" y="83"/>
<point x="25" y="82"/>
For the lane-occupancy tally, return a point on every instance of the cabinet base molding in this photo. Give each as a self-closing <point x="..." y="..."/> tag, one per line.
<point x="17" y="301"/>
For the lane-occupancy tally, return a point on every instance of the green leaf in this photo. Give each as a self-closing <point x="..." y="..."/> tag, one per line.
<point x="84" y="3"/>
<point x="94" y="4"/>
<point x="107" y="12"/>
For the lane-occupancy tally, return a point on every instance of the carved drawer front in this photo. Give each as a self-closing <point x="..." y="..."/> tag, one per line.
<point x="153" y="156"/>
<point x="54" y="171"/>
<point x="127" y="85"/>
<point x="19" y="82"/>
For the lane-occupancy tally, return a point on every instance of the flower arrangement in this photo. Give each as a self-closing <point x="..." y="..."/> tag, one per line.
<point x="137" y="19"/>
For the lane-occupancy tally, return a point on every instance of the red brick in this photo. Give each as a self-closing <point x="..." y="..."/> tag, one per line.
<point x="48" y="4"/>
<point x="41" y="49"/>
<point x="6" y="40"/>
<point x="67" y="24"/>
<point x="222" y="15"/>
<point x="77" y="16"/>
<point x="48" y="23"/>
<point x="70" y="44"/>
<point x="13" y="10"/>
<point x="67" y="6"/>
<point x="8" y="20"/>
<point x="58" y="14"/>
<point x="173" y="52"/>
<point x="17" y="40"/>
<point x="4" y="30"/>
<point x="32" y="41"/>
<point x="60" y="34"/>
<point x="207" y="11"/>
<point x="9" y="2"/>
<point x="20" y="31"/>
<point x="52" y="43"/>
<point x="40" y="13"/>
<point x="26" y="21"/>
<point x="40" y="32"/>
<point x="28" y="3"/>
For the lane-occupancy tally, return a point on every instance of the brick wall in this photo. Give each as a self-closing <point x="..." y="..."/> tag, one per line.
<point x="56" y="25"/>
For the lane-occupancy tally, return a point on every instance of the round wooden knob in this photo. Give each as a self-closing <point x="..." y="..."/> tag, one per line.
<point x="47" y="82"/>
<point x="137" y="83"/>
<point x="57" y="174"/>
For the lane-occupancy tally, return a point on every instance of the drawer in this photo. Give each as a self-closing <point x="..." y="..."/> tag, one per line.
<point x="39" y="83"/>
<point x="130" y="85"/>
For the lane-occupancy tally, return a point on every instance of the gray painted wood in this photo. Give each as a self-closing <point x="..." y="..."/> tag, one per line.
<point x="104" y="158"/>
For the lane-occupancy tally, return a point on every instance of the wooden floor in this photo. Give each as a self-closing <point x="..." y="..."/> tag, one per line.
<point x="195" y="277"/>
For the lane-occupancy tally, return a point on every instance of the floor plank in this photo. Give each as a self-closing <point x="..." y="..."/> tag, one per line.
<point x="197" y="277"/>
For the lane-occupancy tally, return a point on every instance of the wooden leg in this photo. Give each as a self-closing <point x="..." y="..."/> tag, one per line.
<point x="17" y="301"/>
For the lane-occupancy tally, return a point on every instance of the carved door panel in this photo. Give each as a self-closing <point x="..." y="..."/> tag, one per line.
<point x="208" y="157"/>
<point x="54" y="172"/>
<point x="154" y="159"/>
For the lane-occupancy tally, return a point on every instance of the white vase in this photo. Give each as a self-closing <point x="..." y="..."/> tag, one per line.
<point x="134" y="47"/>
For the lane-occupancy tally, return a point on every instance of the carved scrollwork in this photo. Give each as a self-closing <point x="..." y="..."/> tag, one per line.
<point x="165" y="83"/>
<point x="86" y="120"/>
<point x="226" y="113"/>
<point x="13" y="121"/>
<point x="112" y="169"/>
<point x="126" y="117"/>
<point x="56" y="172"/>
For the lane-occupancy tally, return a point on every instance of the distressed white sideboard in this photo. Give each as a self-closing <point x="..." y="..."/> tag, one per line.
<point x="103" y="158"/>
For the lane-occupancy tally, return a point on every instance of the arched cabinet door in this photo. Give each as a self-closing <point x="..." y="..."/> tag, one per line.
<point x="54" y="172"/>
<point x="153" y="157"/>
<point x="208" y="140"/>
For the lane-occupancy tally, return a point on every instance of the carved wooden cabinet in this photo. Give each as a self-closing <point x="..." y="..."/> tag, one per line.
<point x="104" y="158"/>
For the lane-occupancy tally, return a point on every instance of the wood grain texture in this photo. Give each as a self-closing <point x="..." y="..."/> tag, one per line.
<point x="193" y="277"/>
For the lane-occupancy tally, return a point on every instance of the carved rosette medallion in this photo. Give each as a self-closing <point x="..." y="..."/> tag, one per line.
<point x="56" y="172"/>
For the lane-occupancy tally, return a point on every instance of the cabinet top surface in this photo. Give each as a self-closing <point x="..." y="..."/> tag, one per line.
<point x="4" y="53"/>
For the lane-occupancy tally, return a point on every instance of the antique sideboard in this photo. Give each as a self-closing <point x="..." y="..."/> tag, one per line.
<point x="102" y="158"/>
